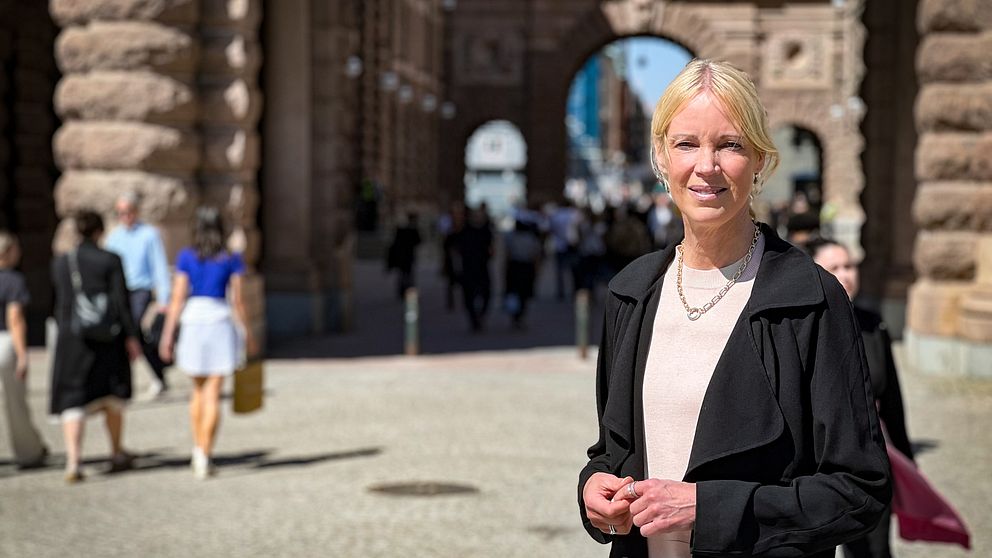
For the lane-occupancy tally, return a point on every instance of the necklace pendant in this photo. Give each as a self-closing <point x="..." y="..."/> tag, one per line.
<point x="694" y="314"/>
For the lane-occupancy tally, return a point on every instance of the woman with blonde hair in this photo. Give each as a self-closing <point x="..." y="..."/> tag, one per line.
<point x="29" y="449"/>
<point x="734" y="404"/>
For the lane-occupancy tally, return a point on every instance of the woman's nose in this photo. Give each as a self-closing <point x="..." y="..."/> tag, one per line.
<point x="707" y="163"/>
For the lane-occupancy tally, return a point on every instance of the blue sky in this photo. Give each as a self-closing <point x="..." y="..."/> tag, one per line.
<point x="652" y="63"/>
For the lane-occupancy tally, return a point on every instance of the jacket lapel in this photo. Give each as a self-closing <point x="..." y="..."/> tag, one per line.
<point x="739" y="410"/>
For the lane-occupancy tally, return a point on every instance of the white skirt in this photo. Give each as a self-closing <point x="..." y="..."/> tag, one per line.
<point x="209" y="343"/>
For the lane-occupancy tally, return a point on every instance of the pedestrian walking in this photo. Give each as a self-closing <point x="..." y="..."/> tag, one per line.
<point x="564" y="228"/>
<point x="97" y="340"/>
<point x="402" y="254"/>
<point x="835" y="258"/>
<point x="735" y="411"/>
<point x="475" y="245"/>
<point x="449" y="227"/>
<point x="209" y="345"/>
<point x="523" y="254"/>
<point x="29" y="449"/>
<point x="146" y="272"/>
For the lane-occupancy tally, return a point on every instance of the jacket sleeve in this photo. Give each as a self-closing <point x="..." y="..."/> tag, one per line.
<point x="846" y="488"/>
<point x="599" y="459"/>
<point x="890" y="407"/>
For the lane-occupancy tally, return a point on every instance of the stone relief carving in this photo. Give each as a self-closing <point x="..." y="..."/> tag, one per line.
<point x="633" y="16"/>
<point x="797" y="61"/>
<point x="492" y="56"/>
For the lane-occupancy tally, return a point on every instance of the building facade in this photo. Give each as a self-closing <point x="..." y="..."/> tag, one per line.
<point x="308" y="120"/>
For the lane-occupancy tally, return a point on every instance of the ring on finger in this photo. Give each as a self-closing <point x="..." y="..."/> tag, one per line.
<point x="631" y="491"/>
<point x="613" y="530"/>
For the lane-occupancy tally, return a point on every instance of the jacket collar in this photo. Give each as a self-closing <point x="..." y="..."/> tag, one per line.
<point x="796" y="281"/>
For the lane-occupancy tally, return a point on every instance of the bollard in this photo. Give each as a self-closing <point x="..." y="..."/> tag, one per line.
<point x="411" y="317"/>
<point x="582" y="322"/>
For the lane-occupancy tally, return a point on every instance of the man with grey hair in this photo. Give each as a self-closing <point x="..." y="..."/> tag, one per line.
<point x="146" y="271"/>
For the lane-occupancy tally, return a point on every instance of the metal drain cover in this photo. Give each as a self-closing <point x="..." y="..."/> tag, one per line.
<point x="423" y="488"/>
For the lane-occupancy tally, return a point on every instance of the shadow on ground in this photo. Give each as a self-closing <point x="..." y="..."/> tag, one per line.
<point x="163" y="459"/>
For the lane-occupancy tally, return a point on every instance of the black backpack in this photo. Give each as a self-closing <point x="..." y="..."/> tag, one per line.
<point x="94" y="318"/>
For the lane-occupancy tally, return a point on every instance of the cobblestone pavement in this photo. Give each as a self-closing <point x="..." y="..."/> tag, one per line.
<point x="295" y="478"/>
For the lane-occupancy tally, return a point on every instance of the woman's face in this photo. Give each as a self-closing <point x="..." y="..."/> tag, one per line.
<point x="837" y="261"/>
<point x="710" y="166"/>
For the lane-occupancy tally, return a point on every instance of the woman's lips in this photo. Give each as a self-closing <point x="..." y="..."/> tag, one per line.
<point x="706" y="193"/>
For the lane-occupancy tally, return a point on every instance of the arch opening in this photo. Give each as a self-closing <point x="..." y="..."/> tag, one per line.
<point x="608" y="119"/>
<point x="495" y="159"/>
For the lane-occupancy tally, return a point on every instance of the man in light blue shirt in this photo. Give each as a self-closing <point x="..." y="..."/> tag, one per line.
<point x="146" y="270"/>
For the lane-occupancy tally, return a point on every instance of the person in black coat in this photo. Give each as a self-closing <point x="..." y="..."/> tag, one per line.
<point x="733" y="398"/>
<point x="402" y="254"/>
<point x="834" y="258"/>
<point x="88" y="375"/>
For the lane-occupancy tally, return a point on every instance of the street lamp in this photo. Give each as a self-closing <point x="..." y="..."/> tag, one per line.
<point x="389" y="81"/>
<point x="448" y="110"/>
<point x="405" y="94"/>
<point x="353" y="66"/>
<point x="428" y="103"/>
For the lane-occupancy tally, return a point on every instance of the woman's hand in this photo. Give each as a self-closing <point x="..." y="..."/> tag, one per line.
<point x="251" y="344"/>
<point x="601" y="509"/>
<point x="133" y="348"/>
<point x="21" y="368"/>
<point x="661" y="506"/>
<point x="165" y="348"/>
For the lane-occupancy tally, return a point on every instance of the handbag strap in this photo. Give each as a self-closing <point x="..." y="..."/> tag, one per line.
<point x="74" y="277"/>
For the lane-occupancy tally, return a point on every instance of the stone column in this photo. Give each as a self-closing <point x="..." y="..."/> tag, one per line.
<point x="128" y="104"/>
<point x="950" y="305"/>
<point x="231" y="106"/>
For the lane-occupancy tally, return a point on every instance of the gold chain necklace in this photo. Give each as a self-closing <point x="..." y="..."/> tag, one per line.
<point x="693" y="313"/>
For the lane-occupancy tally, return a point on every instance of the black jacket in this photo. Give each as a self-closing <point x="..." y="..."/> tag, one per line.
<point x="884" y="378"/>
<point x="85" y="371"/>
<point x="788" y="458"/>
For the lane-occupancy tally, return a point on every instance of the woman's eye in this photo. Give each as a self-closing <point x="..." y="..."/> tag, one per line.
<point x="733" y="145"/>
<point x="684" y="145"/>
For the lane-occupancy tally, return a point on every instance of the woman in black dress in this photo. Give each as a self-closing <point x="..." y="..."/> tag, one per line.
<point x="92" y="375"/>
<point x="835" y="258"/>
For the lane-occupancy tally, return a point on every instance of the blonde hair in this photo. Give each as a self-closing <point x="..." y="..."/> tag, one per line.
<point x="739" y="97"/>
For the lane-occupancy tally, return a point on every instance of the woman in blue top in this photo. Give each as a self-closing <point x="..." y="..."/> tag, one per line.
<point x="209" y="344"/>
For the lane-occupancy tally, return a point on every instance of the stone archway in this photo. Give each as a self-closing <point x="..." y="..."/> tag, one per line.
<point x="600" y="25"/>
<point x="842" y="177"/>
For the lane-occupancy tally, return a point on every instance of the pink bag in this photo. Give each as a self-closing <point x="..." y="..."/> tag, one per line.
<point x="924" y="515"/>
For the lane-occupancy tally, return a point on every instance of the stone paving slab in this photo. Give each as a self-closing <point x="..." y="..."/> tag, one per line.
<point x="294" y="479"/>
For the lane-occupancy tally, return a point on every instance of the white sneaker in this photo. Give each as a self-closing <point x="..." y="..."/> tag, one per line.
<point x="155" y="390"/>
<point x="202" y="466"/>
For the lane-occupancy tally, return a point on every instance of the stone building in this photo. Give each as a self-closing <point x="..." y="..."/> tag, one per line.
<point x="373" y="102"/>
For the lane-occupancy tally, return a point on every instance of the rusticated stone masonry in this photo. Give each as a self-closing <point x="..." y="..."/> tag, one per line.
<point x="128" y="103"/>
<point x="950" y="305"/>
<point x="231" y="105"/>
<point x="161" y="97"/>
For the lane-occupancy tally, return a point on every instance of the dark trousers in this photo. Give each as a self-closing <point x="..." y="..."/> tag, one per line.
<point x="875" y="544"/>
<point x="476" y="295"/>
<point x="140" y="300"/>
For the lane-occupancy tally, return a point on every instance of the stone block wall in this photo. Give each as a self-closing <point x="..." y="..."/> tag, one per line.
<point x="230" y="109"/>
<point x="129" y="105"/>
<point x="950" y="305"/>
<point x="161" y="98"/>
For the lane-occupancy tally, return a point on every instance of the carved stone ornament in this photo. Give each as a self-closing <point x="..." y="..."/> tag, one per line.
<point x="797" y="61"/>
<point x="493" y="56"/>
<point x="632" y="16"/>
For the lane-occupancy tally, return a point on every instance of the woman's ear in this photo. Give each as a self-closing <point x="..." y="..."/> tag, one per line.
<point x="658" y="161"/>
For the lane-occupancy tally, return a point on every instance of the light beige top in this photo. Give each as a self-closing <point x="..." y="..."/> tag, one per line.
<point x="681" y="359"/>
